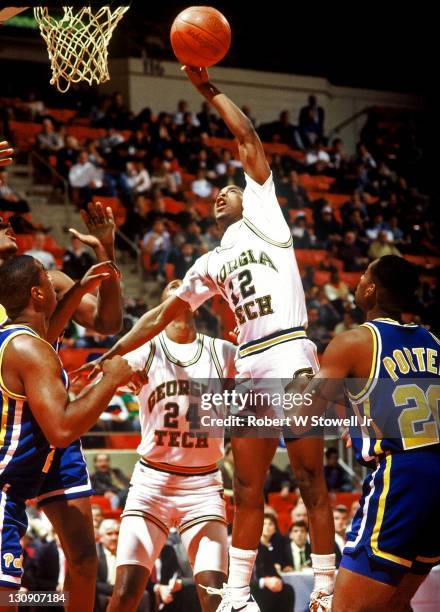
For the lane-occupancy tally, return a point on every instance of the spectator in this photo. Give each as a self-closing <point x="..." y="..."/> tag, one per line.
<point x="39" y="252"/>
<point x="226" y="160"/>
<point x="303" y="238"/>
<point x="327" y="229"/>
<point x="346" y="324"/>
<point x="292" y="190"/>
<point x="98" y="517"/>
<point x="311" y="121"/>
<point x="138" y="220"/>
<point x="351" y="253"/>
<point x="136" y="180"/>
<point x="67" y="156"/>
<point x="85" y="178"/>
<point x="340" y="516"/>
<point x="48" y="140"/>
<point x="109" y="482"/>
<point x="335" y="476"/>
<point x="317" y="159"/>
<point x="182" y="112"/>
<point x="109" y="141"/>
<point x="338" y="156"/>
<point x="232" y="176"/>
<point x="382" y="246"/>
<point x="184" y="259"/>
<point x="298" y="548"/>
<point x="115" y="418"/>
<point x="50" y="566"/>
<point x="279" y="481"/>
<point x="164" y="180"/>
<point x="270" y="592"/>
<point x="316" y="331"/>
<point x="156" y="244"/>
<point x="9" y="198"/>
<point x="364" y="157"/>
<point x="77" y="259"/>
<point x="337" y="292"/>
<point x="212" y="236"/>
<point x="299" y="513"/>
<point x="379" y="225"/>
<point x="201" y="186"/>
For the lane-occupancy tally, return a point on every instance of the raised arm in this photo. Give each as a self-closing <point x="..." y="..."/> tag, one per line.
<point x="34" y="370"/>
<point x="251" y="150"/>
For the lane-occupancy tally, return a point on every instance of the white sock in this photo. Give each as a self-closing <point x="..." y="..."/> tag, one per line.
<point x="241" y="564"/>
<point x="324" y="567"/>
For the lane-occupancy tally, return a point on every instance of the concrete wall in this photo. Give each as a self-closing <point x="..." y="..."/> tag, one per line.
<point x="264" y="92"/>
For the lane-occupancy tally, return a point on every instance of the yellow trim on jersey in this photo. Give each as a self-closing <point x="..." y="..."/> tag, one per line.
<point x="4" y="421"/>
<point x="282" y="245"/>
<point x="370" y="379"/>
<point x="379" y="519"/>
<point x="3" y="315"/>
<point x="379" y="435"/>
<point x="183" y="364"/>
<point x="22" y="332"/>
<point x="272" y="342"/>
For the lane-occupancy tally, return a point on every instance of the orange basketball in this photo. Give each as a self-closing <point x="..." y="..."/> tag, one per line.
<point x="200" y="36"/>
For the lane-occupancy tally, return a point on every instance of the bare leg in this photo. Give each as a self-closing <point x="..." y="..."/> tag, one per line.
<point x="306" y="459"/>
<point x="131" y="581"/>
<point x="72" y="521"/>
<point x="252" y="458"/>
<point x="209" y="603"/>
<point x="400" y="601"/>
<point x="357" y="593"/>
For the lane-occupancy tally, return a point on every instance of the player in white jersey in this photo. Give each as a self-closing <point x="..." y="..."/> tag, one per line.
<point x="255" y="270"/>
<point x="176" y="483"/>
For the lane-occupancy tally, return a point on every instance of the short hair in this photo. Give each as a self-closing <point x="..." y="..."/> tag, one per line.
<point x="108" y="524"/>
<point x="300" y="524"/>
<point x="397" y="281"/>
<point x="271" y="517"/>
<point x="17" y="277"/>
<point x="332" y="450"/>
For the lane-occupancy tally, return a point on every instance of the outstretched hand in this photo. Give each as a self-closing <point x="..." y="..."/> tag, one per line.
<point x="5" y="153"/>
<point x="197" y="76"/>
<point x="100" y="224"/>
<point x="98" y="273"/>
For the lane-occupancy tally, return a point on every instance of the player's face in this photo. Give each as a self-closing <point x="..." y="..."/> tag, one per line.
<point x="228" y="206"/>
<point x="8" y="242"/>
<point x="365" y="290"/>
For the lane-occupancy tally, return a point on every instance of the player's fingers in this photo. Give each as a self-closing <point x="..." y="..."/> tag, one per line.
<point x="86" y="217"/>
<point x="100" y="212"/>
<point x="109" y="214"/>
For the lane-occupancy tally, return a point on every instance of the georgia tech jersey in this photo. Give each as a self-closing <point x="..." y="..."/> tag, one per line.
<point x="401" y="397"/>
<point x="25" y="454"/>
<point x="254" y="269"/>
<point x="178" y="375"/>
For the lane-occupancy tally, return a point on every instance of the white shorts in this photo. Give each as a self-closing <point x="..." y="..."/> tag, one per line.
<point x="158" y="501"/>
<point x="271" y="371"/>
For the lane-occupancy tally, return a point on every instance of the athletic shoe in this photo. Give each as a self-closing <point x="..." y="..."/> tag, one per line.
<point x="228" y="604"/>
<point x="320" y="601"/>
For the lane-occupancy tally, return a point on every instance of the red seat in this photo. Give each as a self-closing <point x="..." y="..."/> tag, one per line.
<point x="73" y="358"/>
<point x="123" y="441"/>
<point x="281" y="504"/>
<point x="101" y="501"/>
<point x="170" y="271"/>
<point x="173" y="206"/>
<point x="310" y="257"/>
<point x="321" y="278"/>
<point x="24" y="242"/>
<point x="62" y="115"/>
<point x="85" y="133"/>
<point x="336" y="200"/>
<point x="307" y="212"/>
<point x="424" y="261"/>
<point x="351" y="278"/>
<point x="315" y="183"/>
<point x="24" y="133"/>
<point x="346" y="499"/>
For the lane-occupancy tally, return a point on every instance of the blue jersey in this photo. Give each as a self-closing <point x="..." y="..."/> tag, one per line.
<point x="25" y="454"/>
<point x="397" y="409"/>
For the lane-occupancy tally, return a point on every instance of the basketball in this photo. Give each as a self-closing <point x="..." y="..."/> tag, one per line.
<point x="200" y="36"/>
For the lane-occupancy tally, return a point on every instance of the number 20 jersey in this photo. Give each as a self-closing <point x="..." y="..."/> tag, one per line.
<point x="170" y="403"/>
<point x="255" y="271"/>
<point x="401" y="395"/>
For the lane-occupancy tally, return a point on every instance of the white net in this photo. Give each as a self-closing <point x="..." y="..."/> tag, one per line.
<point x="77" y="43"/>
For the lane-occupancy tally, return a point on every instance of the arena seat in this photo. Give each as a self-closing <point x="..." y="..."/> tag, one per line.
<point x="62" y="115"/>
<point x="310" y="257"/>
<point x="315" y="183"/>
<point x="173" y="206"/>
<point x="170" y="271"/>
<point x="321" y="277"/>
<point x="24" y="133"/>
<point x="282" y="504"/>
<point x="336" y="200"/>
<point x="346" y="498"/>
<point x="123" y="440"/>
<point x="101" y="501"/>
<point x="307" y="212"/>
<point x="351" y="278"/>
<point x="24" y="242"/>
<point x="85" y="133"/>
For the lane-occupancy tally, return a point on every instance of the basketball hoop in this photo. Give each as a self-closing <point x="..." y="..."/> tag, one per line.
<point x="77" y="43"/>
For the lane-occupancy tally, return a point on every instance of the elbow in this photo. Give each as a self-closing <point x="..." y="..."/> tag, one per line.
<point x="60" y="438"/>
<point x="109" y="328"/>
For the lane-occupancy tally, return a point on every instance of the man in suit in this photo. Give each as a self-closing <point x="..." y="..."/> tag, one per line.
<point x="108" y="481"/>
<point x="49" y="568"/>
<point x="108" y="543"/>
<point x="298" y="548"/>
<point x="311" y="121"/>
<point x="340" y="517"/>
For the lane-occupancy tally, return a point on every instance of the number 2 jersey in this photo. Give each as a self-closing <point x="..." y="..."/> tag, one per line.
<point x="178" y="375"/>
<point x="255" y="270"/>
<point x="25" y="454"/>
<point x="401" y="395"/>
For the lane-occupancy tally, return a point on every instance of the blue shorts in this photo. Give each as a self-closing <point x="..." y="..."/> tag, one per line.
<point x="13" y="525"/>
<point x="395" y="530"/>
<point x="67" y="478"/>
